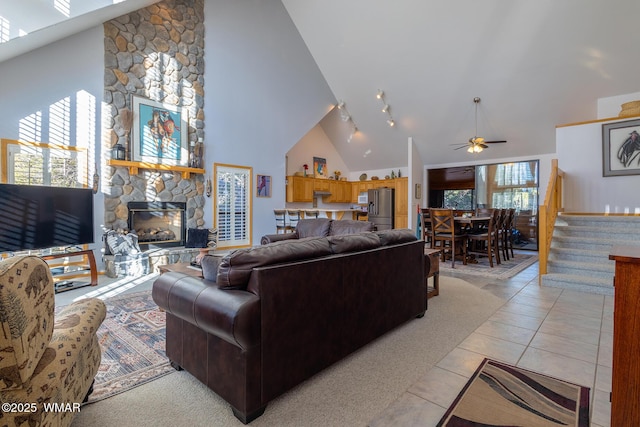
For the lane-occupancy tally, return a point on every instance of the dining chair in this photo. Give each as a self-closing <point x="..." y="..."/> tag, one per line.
<point x="500" y="230"/>
<point x="446" y="236"/>
<point x="425" y="225"/>
<point x="281" y="221"/>
<point x="510" y="224"/>
<point x="485" y="240"/>
<point x="294" y="217"/>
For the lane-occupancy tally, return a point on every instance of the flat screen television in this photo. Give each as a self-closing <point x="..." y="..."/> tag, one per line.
<point x="39" y="217"/>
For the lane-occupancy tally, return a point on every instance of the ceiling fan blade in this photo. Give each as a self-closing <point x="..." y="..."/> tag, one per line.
<point x="494" y="142"/>
<point x="483" y="145"/>
<point x="464" y="146"/>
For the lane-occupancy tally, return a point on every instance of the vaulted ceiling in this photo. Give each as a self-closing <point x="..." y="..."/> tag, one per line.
<point x="534" y="64"/>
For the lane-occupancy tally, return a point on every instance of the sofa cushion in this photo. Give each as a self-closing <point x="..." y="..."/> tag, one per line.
<point x="353" y="242"/>
<point x="235" y="269"/>
<point x="317" y="227"/>
<point x="396" y="236"/>
<point x="349" y="226"/>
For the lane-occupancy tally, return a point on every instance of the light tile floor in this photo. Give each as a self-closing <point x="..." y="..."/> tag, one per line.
<point x="561" y="333"/>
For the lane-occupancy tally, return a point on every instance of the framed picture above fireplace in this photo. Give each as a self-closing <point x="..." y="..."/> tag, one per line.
<point x="159" y="133"/>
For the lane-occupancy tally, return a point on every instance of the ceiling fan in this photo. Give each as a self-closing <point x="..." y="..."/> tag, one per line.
<point x="476" y="144"/>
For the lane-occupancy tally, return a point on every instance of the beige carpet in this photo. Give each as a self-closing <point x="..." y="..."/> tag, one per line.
<point x="350" y="393"/>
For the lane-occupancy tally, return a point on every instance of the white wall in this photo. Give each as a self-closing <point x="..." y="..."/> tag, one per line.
<point x="34" y="81"/>
<point x="416" y="176"/>
<point x="315" y="143"/>
<point x="263" y="93"/>
<point x="579" y="151"/>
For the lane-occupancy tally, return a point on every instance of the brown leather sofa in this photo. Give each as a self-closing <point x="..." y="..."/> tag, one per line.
<point x="320" y="227"/>
<point x="275" y="315"/>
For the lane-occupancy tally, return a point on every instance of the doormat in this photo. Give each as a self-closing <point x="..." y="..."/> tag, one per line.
<point x="504" y="395"/>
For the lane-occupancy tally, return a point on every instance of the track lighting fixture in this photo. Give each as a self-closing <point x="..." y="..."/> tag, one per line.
<point x="386" y="108"/>
<point x="346" y="117"/>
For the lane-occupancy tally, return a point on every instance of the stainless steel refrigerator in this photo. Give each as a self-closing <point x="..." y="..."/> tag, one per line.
<point x="381" y="207"/>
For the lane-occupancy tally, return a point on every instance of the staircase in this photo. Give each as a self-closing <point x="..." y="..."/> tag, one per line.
<point x="580" y="247"/>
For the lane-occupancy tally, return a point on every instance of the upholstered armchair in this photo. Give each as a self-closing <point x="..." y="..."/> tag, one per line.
<point x="43" y="360"/>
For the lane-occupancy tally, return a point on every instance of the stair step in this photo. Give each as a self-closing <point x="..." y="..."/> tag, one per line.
<point x="600" y="232"/>
<point x="599" y="270"/>
<point x="580" y="255"/>
<point x="578" y="283"/>
<point x="588" y="243"/>
<point x="612" y="221"/>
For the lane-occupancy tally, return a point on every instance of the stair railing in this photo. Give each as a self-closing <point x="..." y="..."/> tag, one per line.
<point x="553" y="203"/>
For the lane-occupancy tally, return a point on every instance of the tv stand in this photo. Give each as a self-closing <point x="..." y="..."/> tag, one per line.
<point x="66" y="284"/>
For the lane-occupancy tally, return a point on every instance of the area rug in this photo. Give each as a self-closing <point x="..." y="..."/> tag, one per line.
<point x="132" y="339"/>
<point x="503" y="395"/>
<point x="505" y="270"/>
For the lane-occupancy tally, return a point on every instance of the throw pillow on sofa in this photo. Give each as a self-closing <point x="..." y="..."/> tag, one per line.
<point x="396" y="236"/>
<point x="210" y="264"/>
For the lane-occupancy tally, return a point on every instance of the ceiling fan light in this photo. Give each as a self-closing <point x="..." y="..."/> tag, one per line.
<point x="470" y="149"/>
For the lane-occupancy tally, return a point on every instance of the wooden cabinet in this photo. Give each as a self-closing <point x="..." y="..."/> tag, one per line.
<point x="340" y="192"/>
<point x="625" y="384"/>
<point x="300" y="189"/>
<point x="402" y="203"/>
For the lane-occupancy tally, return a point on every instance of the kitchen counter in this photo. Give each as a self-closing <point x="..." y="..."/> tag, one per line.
<point x="333" y="213"/>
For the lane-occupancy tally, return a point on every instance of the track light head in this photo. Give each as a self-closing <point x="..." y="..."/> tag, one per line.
<point x="380" y="94"/>
<point x="385" y="108"/>
<point x="340" y="105"/>
<point x="391" y="122"/>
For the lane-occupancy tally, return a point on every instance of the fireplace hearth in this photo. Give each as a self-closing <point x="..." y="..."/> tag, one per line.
<point x="158" y="223"/>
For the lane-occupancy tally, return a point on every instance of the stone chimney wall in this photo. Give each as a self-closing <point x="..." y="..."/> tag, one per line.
<point x="156" y="53"/>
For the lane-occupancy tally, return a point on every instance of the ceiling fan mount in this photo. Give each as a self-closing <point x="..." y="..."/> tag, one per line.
<point x="476" y="143"/>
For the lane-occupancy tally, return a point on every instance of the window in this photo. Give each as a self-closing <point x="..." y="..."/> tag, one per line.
<point x="32" y="163"/>
<point x="232" y="210"/>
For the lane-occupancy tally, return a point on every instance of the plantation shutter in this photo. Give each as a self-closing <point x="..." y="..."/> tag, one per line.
<point x="233" y="204"/>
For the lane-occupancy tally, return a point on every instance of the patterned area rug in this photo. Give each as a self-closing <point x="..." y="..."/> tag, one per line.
<point x="505" y="270"/>
<point x="503" y="395"/>
<point x="132" y="339"/>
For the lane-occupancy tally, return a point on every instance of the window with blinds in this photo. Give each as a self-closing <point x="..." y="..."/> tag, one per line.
<point x="232" y="211"/>
<point x="31" y="163"/>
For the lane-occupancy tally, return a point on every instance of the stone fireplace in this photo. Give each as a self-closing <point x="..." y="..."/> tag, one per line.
<point x="158" y="223"/>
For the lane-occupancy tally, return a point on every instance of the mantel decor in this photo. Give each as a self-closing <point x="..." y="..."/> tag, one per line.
<point x="159" y="133"/>
<point x="621" y="148"/>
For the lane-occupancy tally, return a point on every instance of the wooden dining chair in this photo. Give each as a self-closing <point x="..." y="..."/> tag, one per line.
<point x="425" y="225"/>
<point x="509" y="227"/>
<point x="500" y="230"/>
<point x="446" y="236"/>
<point x="485" y="241"/>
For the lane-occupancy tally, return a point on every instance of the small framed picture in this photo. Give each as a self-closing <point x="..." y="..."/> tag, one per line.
<point x="159" y="133"/>
<point x="263" y="186"/>
<point x="320" y="167"/>
<point x="621" y="148"/>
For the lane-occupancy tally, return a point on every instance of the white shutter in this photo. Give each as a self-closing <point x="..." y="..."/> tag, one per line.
<point x="232" y="214"/>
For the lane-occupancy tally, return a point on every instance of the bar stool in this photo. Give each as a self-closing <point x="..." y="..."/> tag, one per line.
<point x="311" y="214"/>
<point x="281" y="221"/>
<point x="294" y="217"/>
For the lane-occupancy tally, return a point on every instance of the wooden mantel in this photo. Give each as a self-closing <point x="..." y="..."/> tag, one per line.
<point x="134" y="166"/>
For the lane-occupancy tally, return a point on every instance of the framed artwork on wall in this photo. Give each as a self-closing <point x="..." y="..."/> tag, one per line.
<point x="621" y="148"/>
<point x="320" y="167"/>
<point x="263" y="186"/>
<point x="159" y="133"/>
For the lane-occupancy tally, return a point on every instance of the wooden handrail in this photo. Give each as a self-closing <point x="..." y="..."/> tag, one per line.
<point x="553" y="203"/>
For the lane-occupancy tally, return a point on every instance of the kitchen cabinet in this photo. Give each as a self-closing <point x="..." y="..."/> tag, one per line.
<point x="402" y="203"/>
<point x="340" y="192"/>
<point x="300" y="189"/>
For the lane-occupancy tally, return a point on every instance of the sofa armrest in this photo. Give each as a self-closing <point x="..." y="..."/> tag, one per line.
<point x="270" y="238"/>
<point x="232" y="315"/>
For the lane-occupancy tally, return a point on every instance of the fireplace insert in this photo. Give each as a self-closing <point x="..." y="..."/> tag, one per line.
<point x="158" y="223"/>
